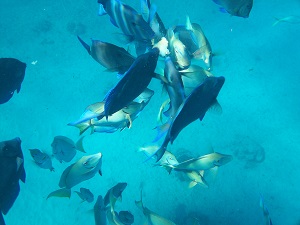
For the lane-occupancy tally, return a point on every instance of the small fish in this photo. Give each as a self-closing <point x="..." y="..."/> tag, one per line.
<point x="127" y="19"/>
<point x="86" y="195"/>
<point x="288" y="19"/>
<point x="113" y="194"/>
<point x="64" y="149"/>
<point x="11" y="171"/>
<point x="266" y="213"/>
<point x="110" y="56"/>
<point x="132" y="84"/>
<point x="204" y="162"/>
<point x="41" y="159"/>
<point x="178" y="52"/>
<point x="194" y="107"/>
<point x="239" y="8"/>
<point x="12" y="73"/>
<point x="152" y="217"/>
<point x="100" y="211"/>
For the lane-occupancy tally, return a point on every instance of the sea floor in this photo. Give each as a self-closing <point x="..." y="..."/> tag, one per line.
<point x="259" y="124"/>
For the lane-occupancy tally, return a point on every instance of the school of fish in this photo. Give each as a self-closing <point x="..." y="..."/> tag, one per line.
<point x="192" y="91"/>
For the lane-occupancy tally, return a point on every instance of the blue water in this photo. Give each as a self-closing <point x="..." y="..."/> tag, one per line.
<point x="260" y="102"/>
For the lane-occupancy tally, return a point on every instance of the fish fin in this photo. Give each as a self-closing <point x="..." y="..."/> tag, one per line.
<point x="192" y="184"/>
<point x="152" y="12"/>
<point x="158" y="153"/>
<point x="62" y="181"/>
<point x="223" y="10"/>
<point x="161" y="78"/>
<point x="144" y="9"/>
<point x="120" y="199"/>
<point x="201" y="117"/>
<point x="216" y="108"/>
<point x="276" y="22"/>
<point x="217" y="2"/>
<point x="22" y="174"/>
<point x="88" y="115"/>
<point x="161" y="109"/>
<point x="83" y="127"/>
<point x="113" y="22"/>
<point x="64" y="192"/>
<point x="79" y="145"/>
<point x="139" y="203"/>
<point x="85" y="45"/>
<point x="100" y="172"/>
<point x="161" y="131"/>
<point x="101" y="10"/>
<point x="169" y="169"/>
<point x="7" y="200"/>
<point x="189" y="25"/>
<point x="129" y="120"/>
<point x="2" y="222"/>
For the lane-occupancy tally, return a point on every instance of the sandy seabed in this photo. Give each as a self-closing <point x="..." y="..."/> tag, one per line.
<point x="260" y="102"/>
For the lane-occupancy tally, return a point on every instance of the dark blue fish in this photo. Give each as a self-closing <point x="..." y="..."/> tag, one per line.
<point x="194" y="107"/>
<point x="241" y="8"/>
<point x="12" y="72"/>
<point x="100" y="211"/>
<point x="11" y="171"/>
<point x="112" y="57"/>
<point x="114" y="193"/>
<point x="127" y="19"/>
<point x="132" y="84"/>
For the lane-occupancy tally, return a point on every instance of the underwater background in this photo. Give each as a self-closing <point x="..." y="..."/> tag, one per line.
<point x="259" y="124"/>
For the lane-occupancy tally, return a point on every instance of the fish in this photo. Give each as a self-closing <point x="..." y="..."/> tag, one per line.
<point x="240" y="8"/>
<point x="204" y="162"/>
<point x="12" y="73"/>
<point x="113" y="194"/>
<point x="178" y="52"/>
<point x="266" y="213"/>
<point x="100" y="211"/>
<point x="176" y="94"/>
<point x="132" y="84"/>
<point x="85" y="194"/>
<point x="150" y="15"/>
<point x="41" y="159"/>
<point x="110" y="56"/>
<point x="152" y="217"/>
<point x="204" y="50"/>
<point x="11" y="171"/>
<point x="84" y="169"/>
<point x="121" y="218"/>
<point x="132" y="24"/>
<point x="117" y="121"/>
<point x="288" y="19"/>
<point x="194" y="107"/>
<point x="64" y="149"/>
<point x="197" y="178"/>
<point x="193" y="77"/>
<point x="167" y="159"/>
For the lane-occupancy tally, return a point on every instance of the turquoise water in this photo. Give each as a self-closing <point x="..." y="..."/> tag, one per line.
<point x="260" y="104"/>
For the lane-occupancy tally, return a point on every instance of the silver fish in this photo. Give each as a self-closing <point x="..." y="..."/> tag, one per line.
<point x="178" y="52"/>
<point x="41" y="159"/>
<point x="64" y="149"/>
<point x="204" y="162"/>
<point x="84" y="169"/>
<point x="85" y="194"/>
<point x="239" y="8"/>
<point x="152" y="217"/>
<point x="288" y="19"/>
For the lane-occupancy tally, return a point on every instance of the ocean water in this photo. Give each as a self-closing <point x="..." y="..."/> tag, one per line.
<point x="259" y="124"/>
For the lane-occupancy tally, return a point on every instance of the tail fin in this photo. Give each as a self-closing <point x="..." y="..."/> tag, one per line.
<point x="85" y="45"/>
<point x="161" y="131"/>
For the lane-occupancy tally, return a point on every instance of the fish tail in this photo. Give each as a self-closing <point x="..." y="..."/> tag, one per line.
<point x="161" y="131"/>
<point x="276" y="22"/>
<point x="83" y="127"/>
<point x="64" y="192"/>
<point x="139" y="203"/>
<point x="85" y="45"/>
<point x="2" y="222"/>
<point x="79" y="145"/>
